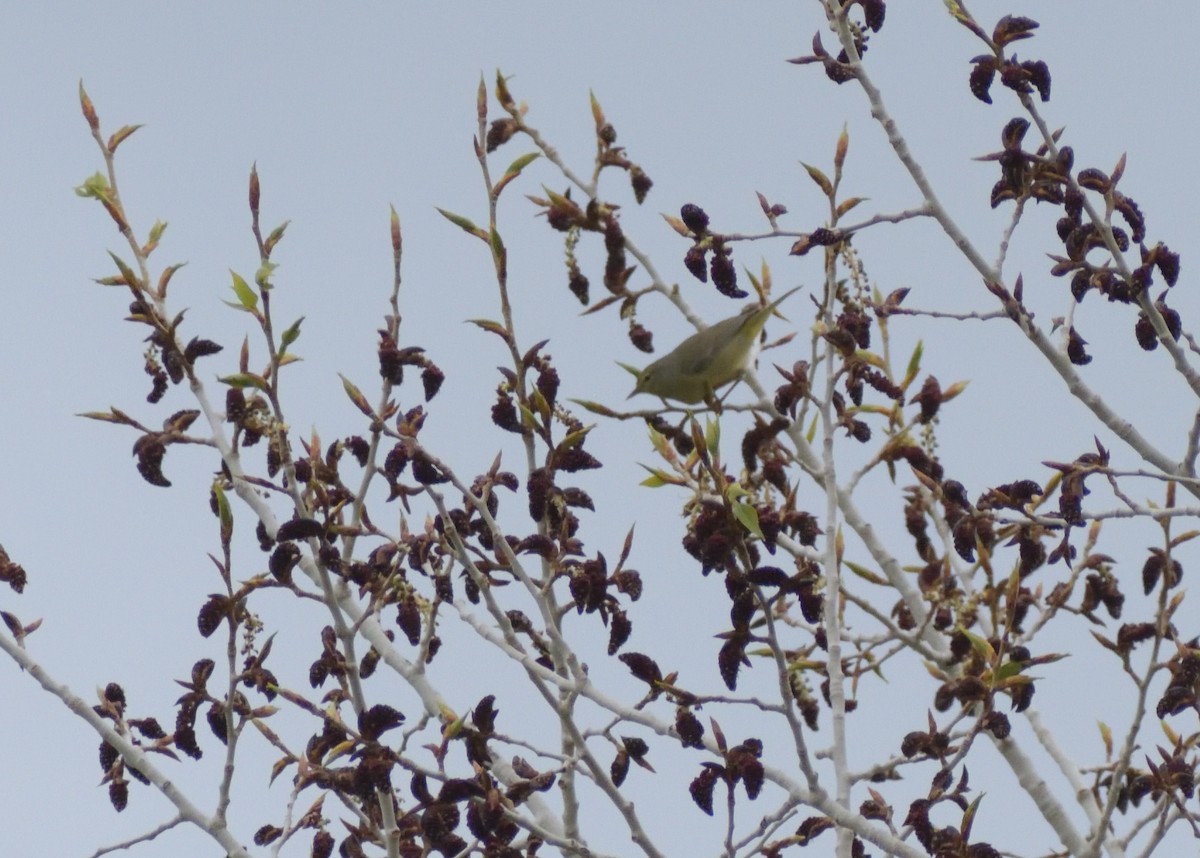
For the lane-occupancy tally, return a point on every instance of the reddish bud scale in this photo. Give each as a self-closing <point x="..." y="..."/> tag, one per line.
<point x="89" y="109"/>
<point x="255" y="191"/>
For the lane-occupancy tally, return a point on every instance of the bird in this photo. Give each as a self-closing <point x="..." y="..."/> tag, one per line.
<point x="708" y="360"/>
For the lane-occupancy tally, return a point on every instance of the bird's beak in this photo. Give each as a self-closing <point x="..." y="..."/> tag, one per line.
<point x="636" y="373"/>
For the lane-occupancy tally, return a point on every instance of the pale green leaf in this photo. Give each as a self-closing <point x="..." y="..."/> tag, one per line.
<point x="521" y="163"/>
<point x="914" y="365"/>
<point x="245" y="295"/>
<point x="748" y="516"/>
<point x="243" y="380"/>
<point x="290" y="335"/>
<point x="712" y="435"/>
<point x="461" y="222"/>
<point x="865" y="573"/>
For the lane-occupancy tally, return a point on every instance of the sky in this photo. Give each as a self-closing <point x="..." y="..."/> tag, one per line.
<point x="347" y="109"/>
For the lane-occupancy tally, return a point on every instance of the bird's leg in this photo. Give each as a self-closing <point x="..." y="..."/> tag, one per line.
<point x="731" y="388"/>
<point x="710" y="399"/>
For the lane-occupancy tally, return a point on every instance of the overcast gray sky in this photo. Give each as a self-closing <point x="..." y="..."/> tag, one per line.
<point x="347" y="108"/>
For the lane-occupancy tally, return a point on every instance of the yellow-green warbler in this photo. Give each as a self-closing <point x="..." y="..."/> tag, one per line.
<point x="708" y="359"/>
